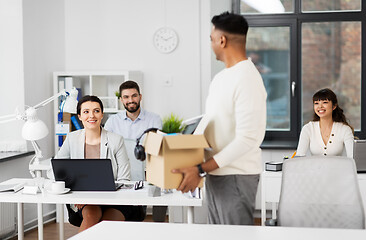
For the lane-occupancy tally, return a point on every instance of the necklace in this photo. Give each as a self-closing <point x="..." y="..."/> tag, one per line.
<point x="325" y="132"/>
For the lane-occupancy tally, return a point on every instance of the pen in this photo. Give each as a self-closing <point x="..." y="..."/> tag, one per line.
<point x="293" y="155"/>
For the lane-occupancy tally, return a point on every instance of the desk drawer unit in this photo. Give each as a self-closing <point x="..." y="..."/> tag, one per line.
<point x="273" y="189"/>
<point x="272" y="182"/>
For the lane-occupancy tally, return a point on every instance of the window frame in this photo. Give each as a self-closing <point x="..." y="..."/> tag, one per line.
<point x="295" y="19"/>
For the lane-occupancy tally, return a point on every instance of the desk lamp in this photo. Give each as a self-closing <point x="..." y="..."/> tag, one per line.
<point x="35" y="129"/>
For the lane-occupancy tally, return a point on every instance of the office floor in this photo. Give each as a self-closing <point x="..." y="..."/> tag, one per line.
<point x="51" y="232"/>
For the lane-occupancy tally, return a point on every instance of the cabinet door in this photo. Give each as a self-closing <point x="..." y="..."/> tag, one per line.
<point x="362" y="185"/>
<point x="273" y="187"/>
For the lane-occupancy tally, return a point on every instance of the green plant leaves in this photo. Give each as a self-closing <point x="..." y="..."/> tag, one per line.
<point x="172" y="124"/>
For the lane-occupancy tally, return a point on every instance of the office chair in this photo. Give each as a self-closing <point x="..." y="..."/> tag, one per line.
<point x="320" y="192"/>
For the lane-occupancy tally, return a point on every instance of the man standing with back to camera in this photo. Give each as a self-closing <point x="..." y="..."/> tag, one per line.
<point x="236" y="123"/>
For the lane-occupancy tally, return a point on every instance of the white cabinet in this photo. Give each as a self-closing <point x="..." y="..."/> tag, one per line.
<point x="102" y="84"/>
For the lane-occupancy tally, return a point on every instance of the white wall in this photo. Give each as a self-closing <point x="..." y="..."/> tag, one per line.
<point x="115" y="34"/>
<point x="44" y="53"/>
<point x="217" y="7"/>
<point x="11" y="73"/>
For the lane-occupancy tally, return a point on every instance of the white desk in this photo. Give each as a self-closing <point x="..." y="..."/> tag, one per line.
<point x="271" y="189"/>
<point x="120" y="197"/>
<point x="164" y="231"/>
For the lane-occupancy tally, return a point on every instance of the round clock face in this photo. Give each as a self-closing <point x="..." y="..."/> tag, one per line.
<point x="165" y="40"/>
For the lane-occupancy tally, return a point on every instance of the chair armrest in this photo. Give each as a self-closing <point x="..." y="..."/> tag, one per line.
<point x="271" y="222"/>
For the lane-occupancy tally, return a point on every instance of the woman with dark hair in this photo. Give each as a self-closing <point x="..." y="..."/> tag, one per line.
<point x="329" y="132"/>
<point x="95" y="142"/>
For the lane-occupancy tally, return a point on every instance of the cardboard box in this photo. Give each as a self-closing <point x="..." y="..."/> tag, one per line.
<point x="167" y="152"/>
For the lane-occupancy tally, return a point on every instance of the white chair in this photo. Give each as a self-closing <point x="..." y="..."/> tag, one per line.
<point x="137" y="166"/>
<point x="320" y="192"/>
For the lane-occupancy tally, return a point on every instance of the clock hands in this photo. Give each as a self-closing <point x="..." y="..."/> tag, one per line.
<point x="165" y="38"/>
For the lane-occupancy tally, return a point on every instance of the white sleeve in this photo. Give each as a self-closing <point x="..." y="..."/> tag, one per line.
<point x="348" y="142"/>
<point x="304" y="141"/>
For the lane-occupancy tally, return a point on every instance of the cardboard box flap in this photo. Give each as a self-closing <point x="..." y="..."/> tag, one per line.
<point x="186" y="141"/>
<point x="153" y="143"/>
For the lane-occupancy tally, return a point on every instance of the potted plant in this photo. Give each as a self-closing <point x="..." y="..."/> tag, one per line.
<point x="118" y="95"/>
<point x="172" y="124"/>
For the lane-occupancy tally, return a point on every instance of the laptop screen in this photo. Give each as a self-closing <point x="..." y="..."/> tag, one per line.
<point x="191" y="124"/>
<point x="84" y="174"/>
<point x="359" y="155"/>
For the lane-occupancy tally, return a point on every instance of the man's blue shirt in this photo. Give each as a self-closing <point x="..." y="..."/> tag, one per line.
<point x="130" y="130"/>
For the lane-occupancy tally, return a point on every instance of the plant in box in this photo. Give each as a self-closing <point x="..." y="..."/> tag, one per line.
<point x="172" y="124"/>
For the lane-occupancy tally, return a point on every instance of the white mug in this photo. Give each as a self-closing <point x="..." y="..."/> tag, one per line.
<point x="58" y="186"/>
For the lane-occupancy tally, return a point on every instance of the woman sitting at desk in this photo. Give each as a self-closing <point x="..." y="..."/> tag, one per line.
<point x="95" y="142"/>
<point x="329" y="132"/>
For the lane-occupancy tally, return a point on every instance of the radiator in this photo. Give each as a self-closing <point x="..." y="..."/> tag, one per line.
<point x="7" y="219"/>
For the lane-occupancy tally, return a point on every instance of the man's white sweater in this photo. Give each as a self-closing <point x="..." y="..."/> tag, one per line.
<point x="236" y="117"/>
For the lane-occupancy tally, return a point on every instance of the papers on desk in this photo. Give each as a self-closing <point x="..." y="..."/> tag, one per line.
<point x="129" y="186"/>
<point x="12" y="187"/>
<point x="126" y="186"/>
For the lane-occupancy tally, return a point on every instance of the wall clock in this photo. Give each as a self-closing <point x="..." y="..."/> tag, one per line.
<point x="165" y="40"/>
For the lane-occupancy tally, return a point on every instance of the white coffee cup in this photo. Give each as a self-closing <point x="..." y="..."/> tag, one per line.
<point x="58" y="186"/>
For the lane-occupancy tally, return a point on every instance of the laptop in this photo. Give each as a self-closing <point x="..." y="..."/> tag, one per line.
<point x="191" y="124"/>
<point x="85" y="174"/>
<point x="359" y="155"/>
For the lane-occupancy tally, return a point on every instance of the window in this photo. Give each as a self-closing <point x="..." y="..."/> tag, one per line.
<point x="301" y="47"/>
<point x="266" y="6"/>
<point x="331" y="5"/>
<point x="331" y="57"/>
<point x="269" y="49"/>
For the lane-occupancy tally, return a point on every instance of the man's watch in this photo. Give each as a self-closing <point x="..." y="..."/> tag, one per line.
<point x="201" y="173"/>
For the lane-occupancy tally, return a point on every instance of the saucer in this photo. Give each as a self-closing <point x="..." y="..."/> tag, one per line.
<point x="66" y="190"/>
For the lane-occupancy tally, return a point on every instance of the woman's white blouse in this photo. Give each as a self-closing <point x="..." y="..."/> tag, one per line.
<point x="310" y="138"/>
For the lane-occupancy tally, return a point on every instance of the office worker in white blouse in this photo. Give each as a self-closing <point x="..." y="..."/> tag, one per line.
<point x="95" y="142"/>
<point x="329" y="132"/>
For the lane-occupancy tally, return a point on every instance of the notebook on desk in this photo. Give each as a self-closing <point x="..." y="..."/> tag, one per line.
<point x="85" y="174"/>
<point x="359" y="155"/>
